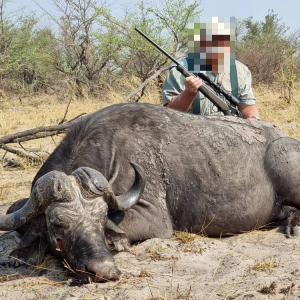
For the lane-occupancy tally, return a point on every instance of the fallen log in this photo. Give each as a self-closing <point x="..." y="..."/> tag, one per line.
<point x="22" y="153"/>
<point x="32" y="134"/>
<point x="37" y="133"/>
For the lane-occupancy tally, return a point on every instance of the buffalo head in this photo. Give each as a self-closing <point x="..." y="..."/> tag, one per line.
<point x="69" y="214"/>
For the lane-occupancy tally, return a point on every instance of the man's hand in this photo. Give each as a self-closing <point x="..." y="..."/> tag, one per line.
<point x="184" y="101"/>
<point x="192" y="84"/>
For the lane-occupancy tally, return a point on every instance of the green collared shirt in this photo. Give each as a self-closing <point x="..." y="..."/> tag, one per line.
<point x="174" y="85"/>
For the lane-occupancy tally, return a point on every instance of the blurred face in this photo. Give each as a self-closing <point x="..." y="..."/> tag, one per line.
<point x="211" y="45"/>
<point x="215" y="50"/>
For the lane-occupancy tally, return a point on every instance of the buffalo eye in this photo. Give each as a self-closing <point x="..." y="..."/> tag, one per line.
<point x="57" y="230"/>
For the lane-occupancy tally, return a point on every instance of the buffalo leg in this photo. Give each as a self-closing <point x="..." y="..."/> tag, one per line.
<point x="293" y="224"/>
<point x="144" y="221"/>
<point x="283" y="164"/>
<point x="285" y="213"/>
<point x="292" y="217"/>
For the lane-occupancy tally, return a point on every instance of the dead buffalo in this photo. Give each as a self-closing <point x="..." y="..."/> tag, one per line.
<point x="215" y="175"/>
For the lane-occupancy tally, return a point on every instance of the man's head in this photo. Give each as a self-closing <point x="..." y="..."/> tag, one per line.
<point x="211" y="44"/>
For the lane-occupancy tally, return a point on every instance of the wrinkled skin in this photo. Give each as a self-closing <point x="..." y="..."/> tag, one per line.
<point x="75" y="217"/>
<point x="87" y="231"/>
<point x="94" y="254"/>
<point x="215" y="175"/>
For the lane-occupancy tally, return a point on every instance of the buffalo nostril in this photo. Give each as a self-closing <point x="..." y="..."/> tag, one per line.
<point x="103" y="270"/>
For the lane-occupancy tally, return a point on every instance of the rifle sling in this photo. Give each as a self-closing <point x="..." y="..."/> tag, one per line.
<point x="233" y="79"/>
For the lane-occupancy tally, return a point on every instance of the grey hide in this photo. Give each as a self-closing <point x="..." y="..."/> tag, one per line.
<point x="210" y="175"/>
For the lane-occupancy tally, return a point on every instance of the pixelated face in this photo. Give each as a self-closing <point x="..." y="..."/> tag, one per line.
<point x="211" y="44"/>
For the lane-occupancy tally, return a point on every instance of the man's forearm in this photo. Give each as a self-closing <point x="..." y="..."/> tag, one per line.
<point x="248" y="111"/>
<point x="183" y="101"/>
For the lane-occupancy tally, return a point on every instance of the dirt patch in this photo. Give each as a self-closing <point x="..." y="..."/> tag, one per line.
<point x="203" y="268"/>
<point x="255" y="265"/>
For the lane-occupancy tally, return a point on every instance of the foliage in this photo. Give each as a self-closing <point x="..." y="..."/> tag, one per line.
<point x="264" y="47"/>
<point x="27" y="53"/>
<point x="288" y="78"/>
<point x="93" y="50"/>
<point x="82" y="60"/>
<point x="166" y="25"/>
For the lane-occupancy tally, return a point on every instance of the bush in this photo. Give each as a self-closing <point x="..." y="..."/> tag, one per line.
<point x="265" y="48"/>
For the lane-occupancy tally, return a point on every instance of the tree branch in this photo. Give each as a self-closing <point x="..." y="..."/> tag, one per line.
<point x="141" y="87"/>
<point x="22" y="153"/>
<point x="36" y="133"/>
<point x="171" y="29"/>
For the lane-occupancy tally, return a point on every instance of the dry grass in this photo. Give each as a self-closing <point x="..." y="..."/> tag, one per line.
<point x="266" y="265"/>
<point x="194" y="249"/>
<point x="46" y="110"/>
<point x="41" y="110"/>
<point x="145" y="273"/>
<point x="3" y="194"/>
<point x="184" y="236"/>
<point x="15" y="184"/>
<point x="274" y="109"/>
<point x="49" y="109"/>
<point x="155" y="251"/>
<point x="172" y="294"/>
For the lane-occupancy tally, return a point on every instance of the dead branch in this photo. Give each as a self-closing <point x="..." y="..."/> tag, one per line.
<point x="36" y="133"/>
<point x="22" y="153"/>
<point x="142" y="86"/>
<point x="64" y="117"/>
<point x="31" y="134"/>
<point x="171" y="29"/>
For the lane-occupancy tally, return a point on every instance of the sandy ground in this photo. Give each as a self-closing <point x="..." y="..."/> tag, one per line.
<point x="239" y="267"/>
<point x="254" y="265"/>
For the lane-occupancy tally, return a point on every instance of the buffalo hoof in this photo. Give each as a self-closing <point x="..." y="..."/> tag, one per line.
<point x="293" y="225"/>
<point x="296" y="230"/>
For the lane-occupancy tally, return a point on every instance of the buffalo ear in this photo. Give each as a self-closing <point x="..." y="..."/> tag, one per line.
<point x="17" y="205"/>
<point x="33" y="253"/>
<point x="115" y="235"/>
<point x="32" y="247"/>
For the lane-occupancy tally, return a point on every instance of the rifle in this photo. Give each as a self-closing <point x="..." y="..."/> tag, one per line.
<point x="204" y="88"/>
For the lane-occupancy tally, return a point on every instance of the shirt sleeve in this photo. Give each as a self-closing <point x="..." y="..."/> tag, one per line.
<point x="173" y="85"/>
<point x="246" y="96"/>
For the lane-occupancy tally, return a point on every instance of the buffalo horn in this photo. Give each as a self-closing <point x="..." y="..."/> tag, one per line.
<point x="91" y="180"/>
<point x="18" y="218"/>
<point x="53" y="186"/>
<point x="127" y="200"/>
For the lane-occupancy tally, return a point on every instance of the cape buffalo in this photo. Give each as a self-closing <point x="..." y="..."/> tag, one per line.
<point x="215" y="175"/>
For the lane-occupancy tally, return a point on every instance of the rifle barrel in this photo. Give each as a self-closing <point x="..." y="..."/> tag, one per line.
<point x="204" y="89"/>
<point x="158" y="47"/>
